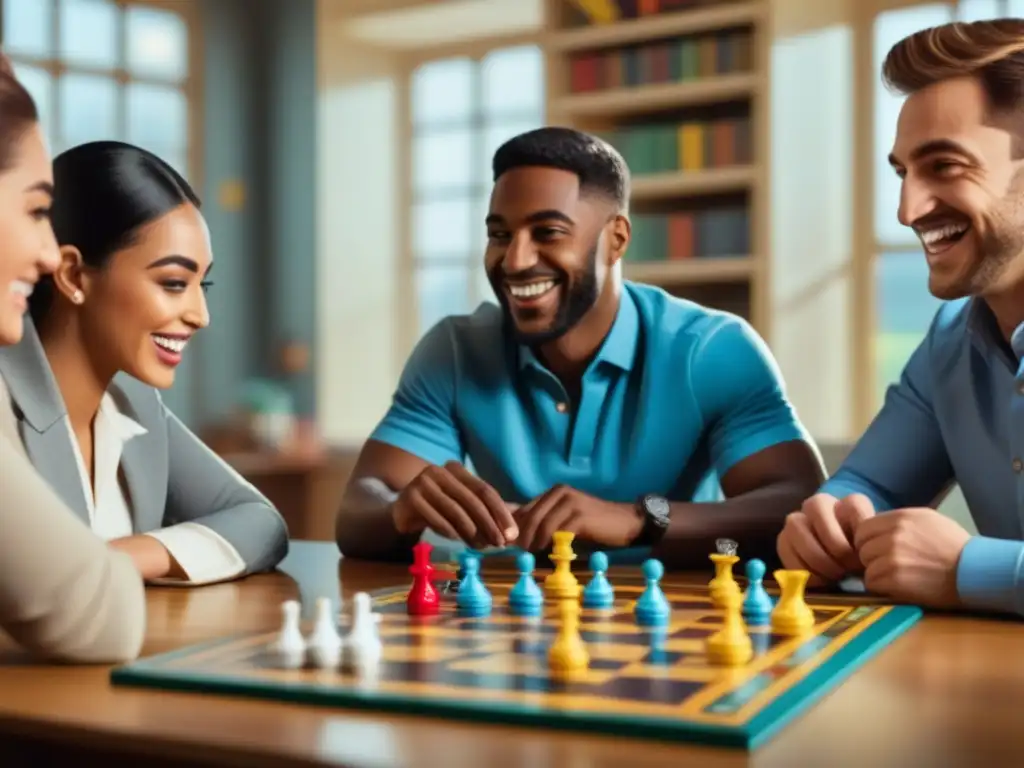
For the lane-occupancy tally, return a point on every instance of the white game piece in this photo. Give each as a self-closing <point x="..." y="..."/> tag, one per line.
<point x="290" y="646"/>
<point x="363" y="647"/>
<point x="324" y="642"/>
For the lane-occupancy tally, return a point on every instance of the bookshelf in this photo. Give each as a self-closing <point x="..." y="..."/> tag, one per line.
<point x="679" y="87"/>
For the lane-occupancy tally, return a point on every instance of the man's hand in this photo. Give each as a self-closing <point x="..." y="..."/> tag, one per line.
<point x="565" y="509"/>
<point x="454" y="503"/>
<point x="912" y="555"/>
<point x="820" y="537"/>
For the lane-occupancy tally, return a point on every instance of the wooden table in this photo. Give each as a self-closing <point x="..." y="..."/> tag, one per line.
<point x="949" y="693"/>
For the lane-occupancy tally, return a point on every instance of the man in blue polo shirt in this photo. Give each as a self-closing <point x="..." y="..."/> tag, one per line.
<point x="583" y="403"/>
<point x="957" y="413"/>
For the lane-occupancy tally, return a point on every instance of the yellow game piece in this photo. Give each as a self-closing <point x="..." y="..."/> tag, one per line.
<point x="724" y="585"/>
<point x="561" y="582"/>
<point x="731" y="646"/>
<point x="568" y="654"/>
<point x="791" y="615"/>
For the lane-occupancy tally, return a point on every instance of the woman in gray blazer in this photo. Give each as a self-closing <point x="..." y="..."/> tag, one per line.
<point x="109" y="327"/>
<point x="63" y="594"/>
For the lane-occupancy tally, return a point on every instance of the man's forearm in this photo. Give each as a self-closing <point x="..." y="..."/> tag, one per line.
<point x="753" y="520"/>
<point x="365" y="528"/>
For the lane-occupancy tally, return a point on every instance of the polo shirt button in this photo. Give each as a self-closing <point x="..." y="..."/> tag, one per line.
<point x="561" y="407"/>
<point x="1018" y="465"/>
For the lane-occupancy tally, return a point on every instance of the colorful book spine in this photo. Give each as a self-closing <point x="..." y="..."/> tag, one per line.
<point x="665" y="61"/>
<point x="715" y="233"/>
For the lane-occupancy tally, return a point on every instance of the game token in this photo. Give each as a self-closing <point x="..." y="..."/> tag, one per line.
<point x="423" y="599"/>
<point x="757" y="604"/>
<point x="598" y="593"/>
<point x="652" y="608"/>
<point x="526" y="598"/>
<point x="791" y="615"/>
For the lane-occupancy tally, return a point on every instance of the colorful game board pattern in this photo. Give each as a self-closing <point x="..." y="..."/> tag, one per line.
<point x="641" y="683"/>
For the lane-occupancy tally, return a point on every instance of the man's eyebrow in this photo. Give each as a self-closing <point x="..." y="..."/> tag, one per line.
<point x="934" y="147"/>
<point x="546" y="215"/>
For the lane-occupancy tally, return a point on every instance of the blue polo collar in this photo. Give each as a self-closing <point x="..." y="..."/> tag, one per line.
<point x="620" y="345"/>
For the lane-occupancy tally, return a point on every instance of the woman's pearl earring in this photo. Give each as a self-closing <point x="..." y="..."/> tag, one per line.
<point x="77" y="297"/>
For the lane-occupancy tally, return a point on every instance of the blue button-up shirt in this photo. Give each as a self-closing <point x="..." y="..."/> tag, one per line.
<point x="956" y="416"/>
<point x="676" y="395"/>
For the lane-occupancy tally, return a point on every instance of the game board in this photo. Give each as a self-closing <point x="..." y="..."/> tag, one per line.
<point x="641" y="682"/>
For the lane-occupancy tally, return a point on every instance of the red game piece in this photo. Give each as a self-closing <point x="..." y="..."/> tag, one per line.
<point x="423" y="599"/>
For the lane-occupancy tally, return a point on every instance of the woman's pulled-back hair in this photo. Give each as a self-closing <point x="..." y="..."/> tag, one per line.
<point x="105" y="192"/>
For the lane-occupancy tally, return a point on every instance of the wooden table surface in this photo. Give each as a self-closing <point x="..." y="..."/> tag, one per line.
<point x="950" y="692"/>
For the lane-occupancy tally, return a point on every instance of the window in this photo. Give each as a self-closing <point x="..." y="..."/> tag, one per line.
<point x="463" y="109"/>
<point x="106" y="69"/>
<point x="100" y="69"/>
<point x="905" y="308"/>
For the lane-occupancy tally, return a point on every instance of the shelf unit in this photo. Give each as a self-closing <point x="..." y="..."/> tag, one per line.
<point x="680" y="87"/>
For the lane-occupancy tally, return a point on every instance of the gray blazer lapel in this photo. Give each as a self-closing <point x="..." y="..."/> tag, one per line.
<point x="40" y="411"/>
<point x="144" y="468"/>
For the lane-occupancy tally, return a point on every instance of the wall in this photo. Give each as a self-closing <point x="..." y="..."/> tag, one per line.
<point x="259" y="131"/>
<point x="359" y="308"/>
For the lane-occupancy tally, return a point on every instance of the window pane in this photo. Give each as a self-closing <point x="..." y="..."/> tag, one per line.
<point x="496" y="134"/>
<point x="444" y="228"/>
<point x="157" y="42"/>
<point x="88" y="108"/>
<point x="443" y="161"/>
<point x="157" y="117"/>
<point x="441" y="291"/>
<point x="905" y="309"/>
<point x="513" y="81"/>
<point x="88" y="32"/>
<point x="442" y="92"/>
<point x="39" y="83"/>
<point x="28" y="27"/>
<point x="890" y="27"/>
<point x="977" y="10"/>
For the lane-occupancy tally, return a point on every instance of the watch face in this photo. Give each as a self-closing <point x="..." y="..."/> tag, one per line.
<point x="658" y="507"/>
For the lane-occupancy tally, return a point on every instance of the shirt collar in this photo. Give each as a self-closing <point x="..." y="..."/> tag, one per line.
<point x="985" y="333"/>
<point x="123" y="427"/>
<point x="619" y="347"/>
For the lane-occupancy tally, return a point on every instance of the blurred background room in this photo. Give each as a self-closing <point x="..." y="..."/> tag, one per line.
<point x="342" y="151"/>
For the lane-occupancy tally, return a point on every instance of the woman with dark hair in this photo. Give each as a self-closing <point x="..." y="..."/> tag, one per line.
<point x="63" y="593"/>
<point x="109" y="327"/>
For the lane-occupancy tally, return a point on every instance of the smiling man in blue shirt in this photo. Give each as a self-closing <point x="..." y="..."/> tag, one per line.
<point x="957" y="413"/>
<point x="583" y="402"/>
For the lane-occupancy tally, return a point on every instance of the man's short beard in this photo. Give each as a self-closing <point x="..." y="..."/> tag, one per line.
<point x="581" y="293"/>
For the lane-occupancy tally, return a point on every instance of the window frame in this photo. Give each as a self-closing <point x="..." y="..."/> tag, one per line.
<point x="409" y="265"/>
<point x="190" y="86"/>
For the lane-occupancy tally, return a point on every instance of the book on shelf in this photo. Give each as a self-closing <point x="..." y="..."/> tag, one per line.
<point x="584" y="13"/>
<point x="713" y="233"/>
<point x="677" y="60"/>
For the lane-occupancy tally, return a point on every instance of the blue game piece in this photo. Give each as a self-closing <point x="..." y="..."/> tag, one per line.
<point x="757" y="605"/>
<point x="473" y="598"/>
<point x="652" y="608"/>
<point x="525" y="598"/>
<point x="598" y="593"/>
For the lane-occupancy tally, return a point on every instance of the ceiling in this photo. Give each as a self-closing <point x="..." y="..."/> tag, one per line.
<point x="438" y="22"/>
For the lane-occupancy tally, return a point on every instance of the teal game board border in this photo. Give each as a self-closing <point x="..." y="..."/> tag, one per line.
<point x="852" y="656"/>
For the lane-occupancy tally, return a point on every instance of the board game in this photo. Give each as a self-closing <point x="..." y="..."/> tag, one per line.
<point x="640" y="682"/>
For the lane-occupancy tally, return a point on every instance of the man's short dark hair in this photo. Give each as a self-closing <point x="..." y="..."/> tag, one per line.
<point x="600" y="168"/>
